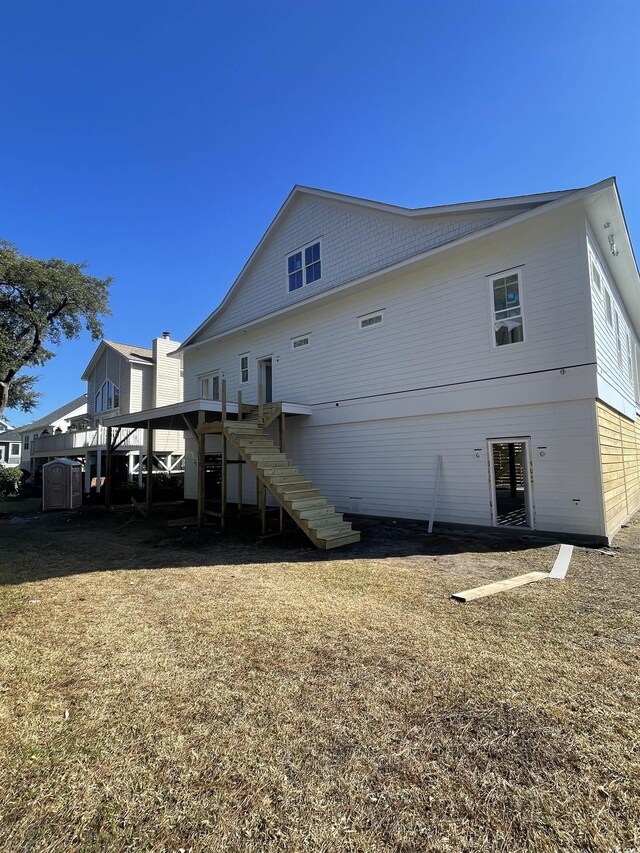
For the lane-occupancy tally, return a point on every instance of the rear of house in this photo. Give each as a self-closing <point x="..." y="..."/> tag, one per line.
<point x="465" y="358"/>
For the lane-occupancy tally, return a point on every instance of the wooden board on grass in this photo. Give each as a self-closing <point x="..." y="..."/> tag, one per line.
<point x="498" y="586"/>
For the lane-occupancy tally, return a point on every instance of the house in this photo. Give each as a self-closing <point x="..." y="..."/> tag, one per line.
<point x="478" y="361"/>
<point x="52" y="426"/>
<point x="121" y="378"/>
<point x="10" y="445"/>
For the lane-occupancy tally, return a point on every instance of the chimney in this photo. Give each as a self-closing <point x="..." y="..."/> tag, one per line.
<point x="166" y="335"/>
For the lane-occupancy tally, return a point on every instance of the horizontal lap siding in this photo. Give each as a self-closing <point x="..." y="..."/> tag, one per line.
<point x="619" y="440"/>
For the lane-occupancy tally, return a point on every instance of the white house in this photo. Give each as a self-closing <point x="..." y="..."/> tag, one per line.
<point x="480" y="358"/>
<point x="10" y="445"/>
<point x="121" y="378"/>
<point x="51" y="426"/>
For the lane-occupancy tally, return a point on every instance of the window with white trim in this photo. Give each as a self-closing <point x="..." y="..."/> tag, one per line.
<point x="25" y="442"/>
<point x="618" y="339"/>
<point x="244" y="368"/>
<point x="210" y="386"/>
<point x="507" y="309"/>
<point x="304" y="266"/>
<point x="608" y="307"/>
<point x="299" y="343"/>
<point x="596" y="275"/>
<point x="369" y="320"/>
<point x="108" y="397"/>
<point x="14" y="450"/>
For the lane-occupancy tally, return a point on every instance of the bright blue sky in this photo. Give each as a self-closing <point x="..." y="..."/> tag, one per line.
<point x="157" y="140"/>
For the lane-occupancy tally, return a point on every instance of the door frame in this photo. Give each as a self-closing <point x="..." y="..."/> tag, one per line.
<point x="261" y="371"/>
<point x="529" y="503"/>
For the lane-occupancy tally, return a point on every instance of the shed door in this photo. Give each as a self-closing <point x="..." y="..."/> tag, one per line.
<point x="57" y="487"/>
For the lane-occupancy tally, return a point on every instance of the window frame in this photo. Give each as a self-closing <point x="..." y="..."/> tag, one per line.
<point x="298" y="338"/>
<point x="25" y="442"/>
<point x="99" y="394"/>
<point x="492" y="277"/>
<point x="244" y="356"/>
<point x="594" y="267"/>
<point x="301" y="250"/>
<point x="213" y="374"/>
<point x="362" y="319"/>
<point x="13" y="444"/>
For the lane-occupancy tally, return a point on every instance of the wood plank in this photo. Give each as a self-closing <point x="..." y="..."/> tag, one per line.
<point x="561" y="564"/>
<point x="498" y="586"/>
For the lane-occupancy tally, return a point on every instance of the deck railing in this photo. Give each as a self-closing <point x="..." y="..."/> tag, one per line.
<point x="80" y="440"/>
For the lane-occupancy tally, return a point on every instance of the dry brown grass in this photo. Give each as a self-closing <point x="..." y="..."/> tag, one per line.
<point x="237" y="698"/>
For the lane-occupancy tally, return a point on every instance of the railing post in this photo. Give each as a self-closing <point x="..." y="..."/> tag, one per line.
<point x="107" y="469"/>
<point x="149" y="468"/>
<point x="201" y="470"/>
<point x="260" y="401"/>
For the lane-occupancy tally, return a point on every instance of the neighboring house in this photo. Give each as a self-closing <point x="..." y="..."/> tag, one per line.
<point x="51" y="426"/>
<point x="122" y="378"/>
<point x="10" y="446"/>
<point x="482" y="358"/>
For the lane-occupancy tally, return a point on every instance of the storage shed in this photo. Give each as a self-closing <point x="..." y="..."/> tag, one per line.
<point x="61" y="484"/>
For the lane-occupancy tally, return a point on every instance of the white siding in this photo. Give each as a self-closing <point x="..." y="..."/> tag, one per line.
<point x="355" y="241"/>
<point x="141" y="387"/>
<point x="616" y="385"/>
<point x="167" y="385"/>
<point x="437" y="328"/>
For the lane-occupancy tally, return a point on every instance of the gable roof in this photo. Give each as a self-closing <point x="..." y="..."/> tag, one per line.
<point x="134" y="354"/>
<point x="56" y="414"/>
<point x="10" y="435"/>
<point x="513" y="206"/>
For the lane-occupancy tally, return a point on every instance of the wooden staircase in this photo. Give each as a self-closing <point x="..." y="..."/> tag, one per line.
<point x="294" y="492"/>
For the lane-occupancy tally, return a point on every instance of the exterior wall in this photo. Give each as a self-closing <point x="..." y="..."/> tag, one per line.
<point x="354" y="242"/>
<point x="437" y="328"/>
<point x="11" y="459"/>
<point x="167" y="381"/>
<point x="141" y="387"/>
<point x="388" y="400"/>
<point x="616" y="378"/>
<point x="619" y="440"/>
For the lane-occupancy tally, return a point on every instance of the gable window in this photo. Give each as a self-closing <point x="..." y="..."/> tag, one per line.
<point x="108" y="397"/>
<point x="507" y="309"/>
<point x="376" y="319"/>
<point x="298" y="343"/>
<point x="210" y="387"/>
<point x="244" y="368"/>
<point x="304" y="266"/>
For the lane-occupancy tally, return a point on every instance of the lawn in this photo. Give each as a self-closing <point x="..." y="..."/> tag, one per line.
<point x="164" y="691"/>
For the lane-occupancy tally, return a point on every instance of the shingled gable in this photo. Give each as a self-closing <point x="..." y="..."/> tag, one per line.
<point x="393" y="234"/>
<point x="140" y="355"/>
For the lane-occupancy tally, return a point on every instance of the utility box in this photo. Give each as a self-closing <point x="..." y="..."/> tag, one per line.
<point x="61" y="484"/>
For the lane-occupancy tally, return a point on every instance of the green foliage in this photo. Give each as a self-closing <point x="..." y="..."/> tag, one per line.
<point x="9" y="481"/>
<point x="42" y="302"/>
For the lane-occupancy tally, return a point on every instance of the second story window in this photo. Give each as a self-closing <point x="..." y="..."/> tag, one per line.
<point x="304" y="266"/>
<point x="108" y="397"/>
<point x="25" y="442"/>
<point x="507" y="309"/>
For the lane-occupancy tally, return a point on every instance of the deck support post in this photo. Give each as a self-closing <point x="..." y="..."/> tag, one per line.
<point x="223" y="495"/>
<point x="108" y="468"/>
<point x="87" y="474"/>
<point x="281" y="432"/>
<point x="239" y="458"/>
<point x="260" y="402"/>
<point x="149" y="468"/>
<point x="98" y="469"/>
<point x="202" y="471"/>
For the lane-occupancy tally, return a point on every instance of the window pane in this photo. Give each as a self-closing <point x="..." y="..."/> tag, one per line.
<point x="312" y="254"/>
<point x="512" y="294"/>
<point x="205" y="389"/>
<point x="313" y="272"/>
<point x="499" y="296"/>
<point x="215" y="388"/>
<point x="509" y="331"/>
<point x="295" y="262"/>
<point x="295" y="280"/>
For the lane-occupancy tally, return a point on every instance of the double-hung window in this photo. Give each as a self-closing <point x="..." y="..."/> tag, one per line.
<point x="304" y="266"/>
<point x="210" y="386"/>
<point x="25" y="442"/>
<point x="507" y="309"/>
<point x="244" y="368"/>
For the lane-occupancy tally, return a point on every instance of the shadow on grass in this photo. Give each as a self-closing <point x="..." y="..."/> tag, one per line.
<point x="43" y="546"/>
